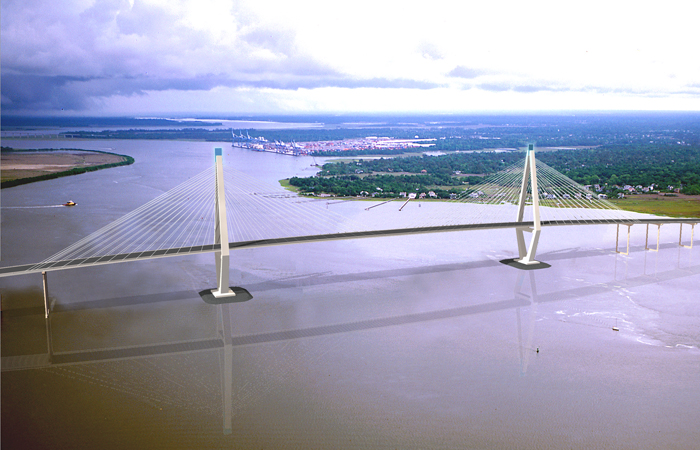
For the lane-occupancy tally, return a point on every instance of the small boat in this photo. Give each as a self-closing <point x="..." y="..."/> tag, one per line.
<point x="70" y="203"/>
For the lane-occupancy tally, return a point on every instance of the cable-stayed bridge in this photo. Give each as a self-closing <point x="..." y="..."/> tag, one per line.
<point x="222" y="209"/>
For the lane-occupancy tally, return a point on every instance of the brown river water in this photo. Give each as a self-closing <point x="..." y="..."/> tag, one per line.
<point x="422" y="341"/>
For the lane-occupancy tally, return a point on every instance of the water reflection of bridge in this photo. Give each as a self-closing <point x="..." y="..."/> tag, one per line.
<point x="224" y="339"/>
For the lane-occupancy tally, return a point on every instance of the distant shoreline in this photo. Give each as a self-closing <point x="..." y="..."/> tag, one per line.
<point x="23" y="166"/>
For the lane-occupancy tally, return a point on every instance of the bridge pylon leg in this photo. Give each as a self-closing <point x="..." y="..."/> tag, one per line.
<point x="692" y="235"/>
<point x="617" y="239"/>
<point x="221" y="232"/>
<point x="47" y="304"/>
<point x="527" y="255"/>
<point x="658" y="238"/>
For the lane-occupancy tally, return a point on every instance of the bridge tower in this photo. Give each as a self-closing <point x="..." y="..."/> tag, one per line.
<point x="527" y="256"/>
<point x="221" y="231"/>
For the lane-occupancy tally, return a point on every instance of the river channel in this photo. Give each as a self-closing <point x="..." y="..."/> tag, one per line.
<point x="422" y="341"/>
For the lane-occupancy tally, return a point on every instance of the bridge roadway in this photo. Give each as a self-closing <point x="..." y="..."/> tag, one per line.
<point x="152" y="254"/>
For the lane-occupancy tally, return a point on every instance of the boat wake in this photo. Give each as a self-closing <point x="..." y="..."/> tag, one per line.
<point x="33" y="207"/>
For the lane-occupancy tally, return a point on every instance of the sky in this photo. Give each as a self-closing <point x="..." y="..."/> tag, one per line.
<point x="216" y="57"/>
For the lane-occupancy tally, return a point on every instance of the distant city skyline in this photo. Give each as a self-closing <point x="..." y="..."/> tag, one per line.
<point x="158" y="57"/>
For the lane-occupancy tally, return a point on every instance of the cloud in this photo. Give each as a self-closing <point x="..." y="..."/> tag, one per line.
<point x="69" y="58"/>
<point x="43" y="92"/>
<point x="50" y="93"/>
<point x="465" y="72"/>
<point x="399" y="83"/>
<point x="82" y="54"/>
<point x="523" y="88"/>
<point x="532" y="88"/>
<point x="430" y="51"/>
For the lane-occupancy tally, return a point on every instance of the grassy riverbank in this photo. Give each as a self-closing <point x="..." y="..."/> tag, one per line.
<point x="28" y="166"/>
<point x="678" y="206"/>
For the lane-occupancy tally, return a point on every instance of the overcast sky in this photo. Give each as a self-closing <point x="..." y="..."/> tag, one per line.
<point x="162" y="57"/>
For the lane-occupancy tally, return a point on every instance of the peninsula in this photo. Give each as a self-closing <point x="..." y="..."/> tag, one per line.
<point x="27" y="166"/>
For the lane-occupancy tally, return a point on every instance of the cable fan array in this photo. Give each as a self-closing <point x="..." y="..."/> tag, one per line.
<point x="496" y="201"/>
<point x="182" y="219"/>
<point x="561" y="199"/>
<point x="256" y="210"/>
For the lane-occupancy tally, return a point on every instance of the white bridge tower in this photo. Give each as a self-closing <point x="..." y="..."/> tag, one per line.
<point x="221" y="232"/>
<point x="527" y="256"/>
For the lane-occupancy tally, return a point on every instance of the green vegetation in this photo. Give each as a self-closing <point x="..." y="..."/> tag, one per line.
<point x="385" y="186"/>
<point x="662" y="165"/>
<point x="666" y="167"/>
<point x="444" y="166"/>
<point x="661" y="205"/>
<point x="285" y="184"/>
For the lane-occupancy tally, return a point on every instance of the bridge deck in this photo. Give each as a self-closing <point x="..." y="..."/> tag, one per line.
<point x="152" y="254"/>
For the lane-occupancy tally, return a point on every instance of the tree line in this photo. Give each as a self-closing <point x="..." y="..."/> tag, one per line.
<point x="611" y="166"/>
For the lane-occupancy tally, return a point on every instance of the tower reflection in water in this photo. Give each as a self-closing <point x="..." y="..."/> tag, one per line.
<point x="635" y="270"/>
<point x="529" y="300"/>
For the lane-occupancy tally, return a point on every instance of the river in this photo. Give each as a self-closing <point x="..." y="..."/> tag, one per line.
<point x="406" y="342"/>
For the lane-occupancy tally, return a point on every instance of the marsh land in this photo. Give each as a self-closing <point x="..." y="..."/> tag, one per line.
<point x="24" y="166"/>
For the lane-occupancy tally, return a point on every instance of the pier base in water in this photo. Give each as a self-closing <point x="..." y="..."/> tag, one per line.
<point x="240" y="295"/>
<point x="513" y="262"/>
